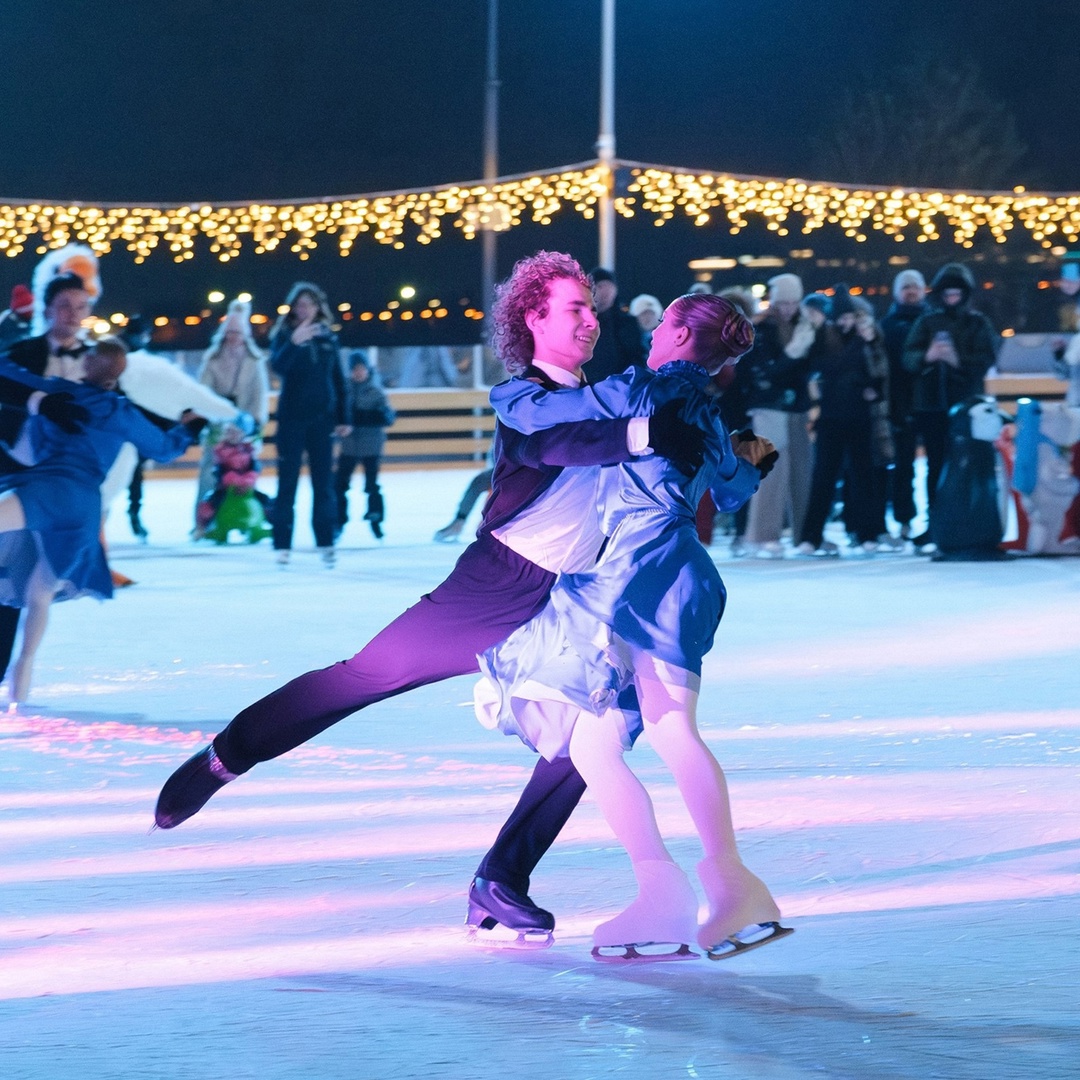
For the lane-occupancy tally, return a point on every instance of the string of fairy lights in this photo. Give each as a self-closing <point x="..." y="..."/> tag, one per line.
<point x="786" y="207"/>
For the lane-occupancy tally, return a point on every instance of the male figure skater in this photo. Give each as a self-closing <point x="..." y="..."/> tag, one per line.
<point x="532" y="527"/>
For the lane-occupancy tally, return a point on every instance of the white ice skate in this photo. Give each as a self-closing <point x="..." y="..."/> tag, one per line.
<point x="658" y="925"/>
<point x="742" y="913"/>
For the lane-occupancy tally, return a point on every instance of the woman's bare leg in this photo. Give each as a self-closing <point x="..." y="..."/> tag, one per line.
<point x="665" y="909"/>
<point x="737" y="897"/>
<point x="12" y="517"/>
<point x="670" y="712"/>
<point x="40" y="590"/>
<point x="597" y="753"/>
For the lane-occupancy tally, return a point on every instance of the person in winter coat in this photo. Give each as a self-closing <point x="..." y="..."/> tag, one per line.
<point x="620" y="344"/>
<point x="311" y="410"/>
<point x="948" y="351"/>
<point x="235" y="368"/>
<point x="369" y="415"/>
<point x="774" y="379"/>
<point x="851" y="430"/>
<point x="909" y="305"/>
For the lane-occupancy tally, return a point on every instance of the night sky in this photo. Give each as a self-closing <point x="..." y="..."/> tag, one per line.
<point x="201" y="101"/>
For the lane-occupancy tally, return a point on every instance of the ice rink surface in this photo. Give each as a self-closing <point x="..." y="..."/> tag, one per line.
<point x="902" y="740"/>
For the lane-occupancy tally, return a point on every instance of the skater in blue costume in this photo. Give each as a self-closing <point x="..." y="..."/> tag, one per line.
<point x="58" y="499"/>
<point x="643" y="616"/>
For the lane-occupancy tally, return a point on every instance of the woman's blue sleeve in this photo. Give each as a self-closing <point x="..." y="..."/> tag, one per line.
<point x="732" y="492"/>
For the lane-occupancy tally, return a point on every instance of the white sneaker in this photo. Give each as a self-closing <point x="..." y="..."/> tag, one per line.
<point x="825" y="550"/>
<point x="329" y="557"/>
<point x="771" y="549"/>
<point x="864" y="549"/>
<point x="888" y="542"/>
<point x="282" y="557"/>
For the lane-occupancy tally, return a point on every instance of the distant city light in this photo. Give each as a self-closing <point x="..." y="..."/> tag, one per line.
<point x="407" y="292"/>
<point x="215" y="297"/>
<point x="244" y="297"/>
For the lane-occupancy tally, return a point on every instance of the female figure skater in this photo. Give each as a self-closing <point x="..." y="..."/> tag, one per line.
<point x="643" y="616"/>
<point x="310" y="411"/>
<point x="58" y="499"/>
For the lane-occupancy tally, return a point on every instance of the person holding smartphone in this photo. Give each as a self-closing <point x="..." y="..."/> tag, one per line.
<point x="304" y="354"/>
<point x="948" y="352"/>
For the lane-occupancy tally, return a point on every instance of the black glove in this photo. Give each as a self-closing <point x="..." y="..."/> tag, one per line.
<point x="195" y="426"/>
<point x="672" y="437"/>
<point x="62" y="409"/>
<point x="765" y="465"/>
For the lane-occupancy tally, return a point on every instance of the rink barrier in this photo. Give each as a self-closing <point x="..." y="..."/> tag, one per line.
<point x="437" y="428"/>
<point x="1008" y="388"/>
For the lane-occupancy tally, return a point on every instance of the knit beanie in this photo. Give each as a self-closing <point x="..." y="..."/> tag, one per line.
<point x="841" y="302"/>
<point x="818" y="302"/>
<point x="238" y="317"/>
<point x="785" y="288"/>
<point x="905" y="278"/>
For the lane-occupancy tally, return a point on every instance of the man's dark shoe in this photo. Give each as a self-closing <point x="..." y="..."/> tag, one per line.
<point x="491" y="903"/>
<point x="189" y="789"/>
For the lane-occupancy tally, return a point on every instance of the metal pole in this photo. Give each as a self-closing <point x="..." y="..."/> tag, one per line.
<point x="605" y="142"/>
<point x="488" y="236"/>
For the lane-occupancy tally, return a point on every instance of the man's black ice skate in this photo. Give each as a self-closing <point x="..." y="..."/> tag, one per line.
<point x="189" y="789"/>
<point x="137" y="527"/>
<point x="492" y="904"/>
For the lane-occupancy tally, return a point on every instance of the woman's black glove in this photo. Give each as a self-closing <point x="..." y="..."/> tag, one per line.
<point x="672" y="437"/>
<point x="62" y="409"/>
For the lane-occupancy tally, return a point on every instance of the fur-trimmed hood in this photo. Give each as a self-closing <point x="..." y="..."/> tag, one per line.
<point x="953" y="276"/>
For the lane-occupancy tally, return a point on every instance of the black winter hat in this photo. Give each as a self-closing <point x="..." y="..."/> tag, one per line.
<point x="841" y="303"/>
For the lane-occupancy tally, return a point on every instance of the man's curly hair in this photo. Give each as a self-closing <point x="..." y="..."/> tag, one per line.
<point x="525" y="290"/>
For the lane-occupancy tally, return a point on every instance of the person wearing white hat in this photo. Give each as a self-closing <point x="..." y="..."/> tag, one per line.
<point x="775" y="375"/>
<point x="648" y="312"/>
<point x="909" y="303"/>
<point x="235" y="368"/>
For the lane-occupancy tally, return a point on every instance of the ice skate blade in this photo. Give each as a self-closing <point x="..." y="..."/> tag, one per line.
<point x="639" y="953"/>
<point x="750" y="937"/>
<point x="500" y="937"/>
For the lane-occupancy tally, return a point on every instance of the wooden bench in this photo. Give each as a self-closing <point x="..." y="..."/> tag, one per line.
<point x="1008" y="388"/>
<point x="434" y="429"/>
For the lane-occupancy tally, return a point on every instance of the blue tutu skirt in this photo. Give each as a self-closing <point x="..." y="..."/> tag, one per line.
<point x="63" y="527"/>
<point x="654" y="593"/>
